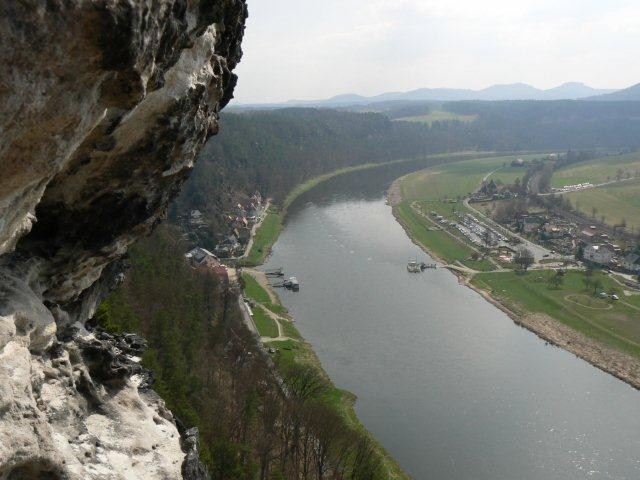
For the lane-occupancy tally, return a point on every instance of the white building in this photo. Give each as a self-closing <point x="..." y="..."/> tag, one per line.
<point x="602" y="254"/>
<point x="200" y="256"/>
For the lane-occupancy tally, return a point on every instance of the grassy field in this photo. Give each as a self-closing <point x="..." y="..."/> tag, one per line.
<point x="265" y="237"/>
<point x="441" y="189"/>
<point x="254" y="290"/>
<point x="264" y="323"/>
<point x="440" y="243"/>
<point x="616" y="202"/>
<point x="596" y="171"/>
<point x="459" y="179"/>
<point x="438" y="116"/>
<point x="615" y="323"/>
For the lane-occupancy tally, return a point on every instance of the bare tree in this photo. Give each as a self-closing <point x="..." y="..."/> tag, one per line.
<point x="524" y="258"/>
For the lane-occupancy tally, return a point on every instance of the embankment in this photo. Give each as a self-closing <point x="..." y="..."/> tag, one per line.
<point x="623" y="366"/>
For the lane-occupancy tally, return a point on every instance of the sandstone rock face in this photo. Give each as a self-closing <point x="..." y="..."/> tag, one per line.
<point x="104" y="105"/>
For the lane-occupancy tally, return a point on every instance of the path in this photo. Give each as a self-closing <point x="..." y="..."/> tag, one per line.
<point x="539" y="251"/>
<point x="625" y="287"/>
<point x="278" y="319"/>
<point x="246" y="317"/>
<point x="484" y="179"/>
<point x="255" y="228"/>
<point x="263" y="281"/>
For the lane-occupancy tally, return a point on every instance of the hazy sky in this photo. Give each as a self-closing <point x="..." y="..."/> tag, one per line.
<point x="309" y="49"/>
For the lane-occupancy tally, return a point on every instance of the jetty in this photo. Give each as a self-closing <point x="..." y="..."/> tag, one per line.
<point x="275" y="272"/>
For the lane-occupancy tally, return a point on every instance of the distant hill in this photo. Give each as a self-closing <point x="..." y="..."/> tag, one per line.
<point x="628" y="94"/>
<point x="513" y="91"/>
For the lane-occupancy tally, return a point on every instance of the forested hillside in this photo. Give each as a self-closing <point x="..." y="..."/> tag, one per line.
<point x="254" y="424"/>
<point x="560" y="125"/>
<point x="275" y="150"/>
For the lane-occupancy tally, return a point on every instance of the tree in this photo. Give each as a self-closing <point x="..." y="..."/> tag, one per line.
<point x="556" y="278"/>
<point x="524" y="258"/>
<point x="597" y="285"/>
<point x="487" y="238"/>
<point x="588" y="274"/>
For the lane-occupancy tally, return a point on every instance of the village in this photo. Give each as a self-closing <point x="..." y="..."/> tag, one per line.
<point x="240" y="225"/>
<point x="514" y="219"/>
<point x="548" y="222"/>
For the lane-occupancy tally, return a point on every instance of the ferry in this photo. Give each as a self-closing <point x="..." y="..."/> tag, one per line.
<point x="292" y="284"/>
<point x="416" y="267"/>
<point x="413" y="267"/>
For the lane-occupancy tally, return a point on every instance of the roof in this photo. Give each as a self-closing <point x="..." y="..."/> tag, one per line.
<point x="601" y="246"/>
<point x="632" y="258"/>
<point x="199" y="254"/>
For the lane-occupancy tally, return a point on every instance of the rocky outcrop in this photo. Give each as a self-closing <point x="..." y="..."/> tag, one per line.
<point x="104" y="105"/>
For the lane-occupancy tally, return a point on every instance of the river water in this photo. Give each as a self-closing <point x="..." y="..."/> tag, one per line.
<point x="449" y="385"/>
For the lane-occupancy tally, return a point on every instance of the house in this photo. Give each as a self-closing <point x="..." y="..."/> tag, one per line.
<point x="602" y="253"/>
<point x="228" y="247"/>
<point x="243" y="234"/>
<point x="530" y="223"/>
<point x="588" y="233"/>
<point x="199" y="256"/>
<point x="240" y="211"/>
<point x="552" y="231"/>
<point x="240" y="222"/>
<point x="252" y="212"/>
<point x="505" y="253"/>
<point x="489" y="188"/>
<point x="505" y="250"/>
<point x="631" y="262"/>
<point x="196" y="218"/>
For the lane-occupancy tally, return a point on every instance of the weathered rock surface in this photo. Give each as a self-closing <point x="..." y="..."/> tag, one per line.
<point x="104" y="105"/>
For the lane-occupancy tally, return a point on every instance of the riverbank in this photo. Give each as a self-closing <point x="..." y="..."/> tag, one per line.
<point x="287" y="346"/>
<point x="268" y="232"/>
<point x="620" y="364"/>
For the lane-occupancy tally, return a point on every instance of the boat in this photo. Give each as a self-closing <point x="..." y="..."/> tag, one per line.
<point x="292" y="284"/>
<point x="413" y="267"/>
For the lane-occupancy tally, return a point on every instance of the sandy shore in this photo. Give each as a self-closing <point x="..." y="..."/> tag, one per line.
<point x="394" y="194"/>
<point x="619" y="364"/>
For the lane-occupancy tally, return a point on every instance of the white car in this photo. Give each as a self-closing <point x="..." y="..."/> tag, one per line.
<point x="614" y="297"/>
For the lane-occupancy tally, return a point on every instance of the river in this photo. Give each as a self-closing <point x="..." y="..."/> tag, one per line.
<point x="448" y="384"/>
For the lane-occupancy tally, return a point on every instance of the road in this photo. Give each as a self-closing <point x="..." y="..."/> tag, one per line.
<point x="246" y="316"/>
<point x="539" y="252"/>
<point x="247" y="250"/>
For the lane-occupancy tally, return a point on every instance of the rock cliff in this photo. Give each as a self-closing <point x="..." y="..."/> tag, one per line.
<point x="104" y="105"/>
